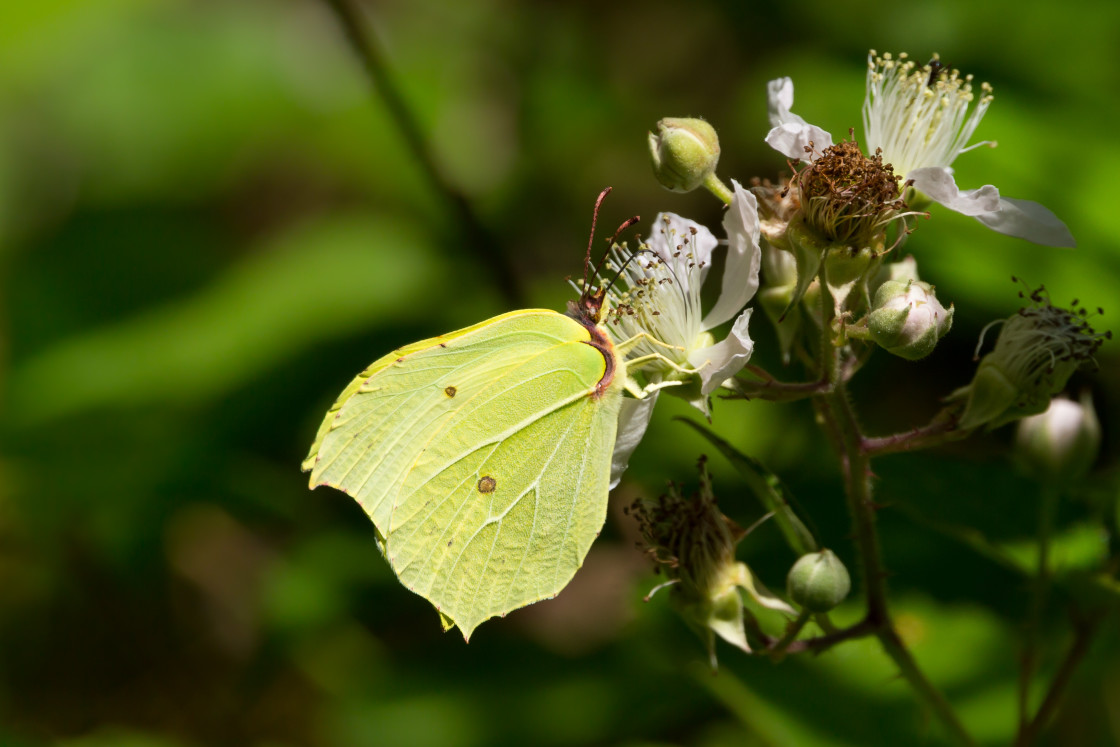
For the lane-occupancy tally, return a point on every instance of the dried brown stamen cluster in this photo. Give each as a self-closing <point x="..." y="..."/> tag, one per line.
<point x="1063" y="336"/>
<point x="847" y="197"/>
<point x="689" y="536"/>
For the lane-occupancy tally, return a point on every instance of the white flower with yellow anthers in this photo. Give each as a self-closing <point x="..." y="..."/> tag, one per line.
<point x="922" y="117"/>
<point x="656" y="316"/>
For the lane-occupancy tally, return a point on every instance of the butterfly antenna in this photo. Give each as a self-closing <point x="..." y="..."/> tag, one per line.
<point x="591" y="239"/>
<point x="607" y="254"/>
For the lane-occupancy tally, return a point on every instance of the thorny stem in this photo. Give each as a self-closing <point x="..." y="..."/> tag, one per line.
<point x="821" y="643"/>
<point x="839" y="421"/>
<point x="769" y="388"/>
<point x="479" y="239"/>
<point x="781" y="646"/>
<point x="941" y="430"/>
<point x="1040" y="587"/>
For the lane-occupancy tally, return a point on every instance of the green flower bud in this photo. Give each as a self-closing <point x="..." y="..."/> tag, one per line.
<point x="684" y="153"/>
<point x="904" y="269"/>
<point x="779" y="267"/>
<point x="1060" y="444"/>
<point x="845" y="269"/>
<point x="818" y="581"/>
<point x="907" y="320"/>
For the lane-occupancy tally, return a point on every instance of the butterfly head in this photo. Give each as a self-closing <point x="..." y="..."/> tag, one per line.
<point x="589" y="306"/>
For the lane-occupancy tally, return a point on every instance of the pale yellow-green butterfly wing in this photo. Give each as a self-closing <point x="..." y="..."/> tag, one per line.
<point x="483" y="458"/>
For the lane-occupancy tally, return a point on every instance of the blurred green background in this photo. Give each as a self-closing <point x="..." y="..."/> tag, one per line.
<point x="209" y="223"/>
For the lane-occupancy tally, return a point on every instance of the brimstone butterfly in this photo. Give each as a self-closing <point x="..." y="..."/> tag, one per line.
<point x="483" y="456"/>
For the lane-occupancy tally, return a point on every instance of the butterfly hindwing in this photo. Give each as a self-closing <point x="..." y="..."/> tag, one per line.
<point x="483" y="458"/>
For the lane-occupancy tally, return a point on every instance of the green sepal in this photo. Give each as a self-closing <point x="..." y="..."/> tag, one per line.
<point x="845" y="270"/>
<point x="776" y="303"/>
<point x="808" y="251"/>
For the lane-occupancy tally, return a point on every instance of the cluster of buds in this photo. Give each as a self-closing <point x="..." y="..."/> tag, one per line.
<point x="693" y="543"/>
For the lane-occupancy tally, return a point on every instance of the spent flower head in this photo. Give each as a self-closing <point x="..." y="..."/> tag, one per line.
<point x="693" y="543"/>
<point x="1038" y="349"/>
<point x="922" y="117"/>
<point x="849" y="198"/>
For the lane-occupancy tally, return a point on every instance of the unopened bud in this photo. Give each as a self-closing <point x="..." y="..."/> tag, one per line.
<point x="818" y="581"/>
<point x="1060" y="444"/>
<point x="904" y="269"/>
<point x="684" y="152"/>
<point x="907" y="320"/>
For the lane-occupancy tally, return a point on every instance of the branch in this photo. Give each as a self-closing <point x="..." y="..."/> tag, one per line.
<point x="937" y="432"/>
<point x="478" y="238"/>
<point x="1084" y="631"/>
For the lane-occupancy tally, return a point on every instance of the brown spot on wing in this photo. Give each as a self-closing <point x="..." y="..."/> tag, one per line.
<point x="487" y="484"/>
<point x="450" y="391"/>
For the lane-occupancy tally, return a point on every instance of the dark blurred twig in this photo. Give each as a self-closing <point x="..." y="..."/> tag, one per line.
<point x="479" y="239"/>
<point x="1084" y="630"/>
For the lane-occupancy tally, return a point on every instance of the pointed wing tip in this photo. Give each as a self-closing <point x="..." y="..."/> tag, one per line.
<point x="447" y="623"/>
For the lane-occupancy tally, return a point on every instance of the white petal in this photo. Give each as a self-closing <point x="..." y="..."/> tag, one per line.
<point x="761" y="594"/>
<point x="740" y="274"/>
<point x="669" y="231"/>
<point x="633" y="418"/>
<point x="937" y="183"/>
<point x="779" y="101"/>
<point x="723" y="360"/>
<point x="792" y="138"/>
<point x="1019" y="218"/>
<point x="791" y="134"/>
<point x="1028" y="220"/>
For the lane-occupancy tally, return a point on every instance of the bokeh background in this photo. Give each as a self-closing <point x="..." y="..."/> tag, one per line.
<point x="209" y="222"/>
